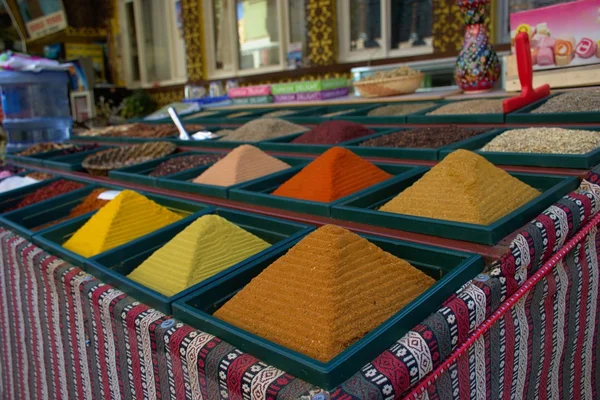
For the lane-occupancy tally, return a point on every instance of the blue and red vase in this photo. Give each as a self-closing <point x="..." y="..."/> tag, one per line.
<point x="477" y="66"/>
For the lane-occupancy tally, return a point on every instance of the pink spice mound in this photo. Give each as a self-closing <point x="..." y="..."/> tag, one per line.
<point x="242" y="164"/>
<point x="333" y="132"/>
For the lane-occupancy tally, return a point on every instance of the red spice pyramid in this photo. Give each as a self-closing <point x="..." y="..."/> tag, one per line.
<point x="336" y="173"/>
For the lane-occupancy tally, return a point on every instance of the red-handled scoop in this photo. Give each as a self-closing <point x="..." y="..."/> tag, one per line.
<point x="528" y="93"/>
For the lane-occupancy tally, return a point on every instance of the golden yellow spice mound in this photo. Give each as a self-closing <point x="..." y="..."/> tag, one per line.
<point x="464" y="187"/>
<point x="207" y="246"/>
<point x="325" y="293"/>
<point x="126" y="217"/>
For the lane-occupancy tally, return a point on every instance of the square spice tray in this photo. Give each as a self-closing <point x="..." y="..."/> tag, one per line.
<point x="114" y="265"/>
<point x="421" y="117"/>
<point x="451" y="269"/>
<point x="140" y="173"/>
<point x="259" y="191"/>
<point x="24" y="220"/>
<point x="360" y="116"/>
<point x="525" y="115"/>
<point x="363" y="208"/>
<point x="260" y="113"/>
<point x="225" y="145"/>
<point x="182" y="181"/>
<point x="51" y="239"/>
<point x="35" y="160"/>
<point x="12" y="197"/>
<point x="320" y="114"/>
<point x="581" y="161"/>
<point x="284" y="144"/>
<point x="408" y="153"/>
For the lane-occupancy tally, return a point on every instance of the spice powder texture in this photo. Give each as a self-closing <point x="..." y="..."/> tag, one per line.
<point x="242" y="164"/>
<point x="464" y="187"/>
<point x="430" y="137"/>
<point x="261" y="129"/>
<point x="207" y="246"/>
<point x="333" y="284"/>
<point x="333" y="132"/>
<point x="486" y="106"/>
<point x="182" y="163"/>
<point x="336" y="173"/>
<point x="399" y="109"/>
<point x="124" y="218"/>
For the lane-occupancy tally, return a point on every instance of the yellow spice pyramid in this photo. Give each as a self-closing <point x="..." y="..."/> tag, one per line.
<point x="126" y="217"/>
<point x="207" y="246"/>
<point x="325" y="293"/>
<point x="464" y="187"/>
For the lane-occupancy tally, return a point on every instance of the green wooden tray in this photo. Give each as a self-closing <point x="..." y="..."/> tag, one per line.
<point x="52" y="238"/>
<point x="223" y="117"/>
<point x="23" y="220"/>
<point x="363" y="208"/>
<point x="318" y="115"/>
<point x="299" y="112"/>
<point x="12" y="197"/>
<point x="406" y="153"/>
<point x="114" y="265"/>
<point x="181" y="181"/>
<point x="259" y="192"/>
<point x="70" y="162"/>
<point x="524" y="115"/>
<point x="421" y="117"/>
<point x="582" y="161"/>
<point x="284" y="143"/>
<point x="140" y="173"/>
<point x="360" y="116"/>
<point x="451" y="269"/>
<point x="219" y="144"/>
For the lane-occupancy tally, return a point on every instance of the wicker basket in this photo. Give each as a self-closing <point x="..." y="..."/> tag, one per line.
<point x="104" y="161"/>
<point x="389" y="86"/>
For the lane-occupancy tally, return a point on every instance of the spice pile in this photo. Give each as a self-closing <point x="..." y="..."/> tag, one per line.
<point x="334" y="284"/>
<point x="482" y="106"/>
<point x="15" y="182"/>
<point x="242" y="164"/>
<point x="577" y="101"/>
<point x="123" y="219"/>
<point x="43" y="148"/>
<point x="39" y="176"/>
<point x="333" y="132"/>
<point x="335" y="174"/>
<point x="261" y="129"/>
<point x="399" y="109"/>
<point x="207" y="246"/>
<point x="545" y="140"/>
<point x="337" y="113"/>
<point x="464" y="187"/>
<point x="89" y="204"/>
<point x="182" y="163"/>
<point x="49" y="191"/>
<point x="431" y="138"/>
<point x="278" y="113"/>
<point x="239" y="114"/>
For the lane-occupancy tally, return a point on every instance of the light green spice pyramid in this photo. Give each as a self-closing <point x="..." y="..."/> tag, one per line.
<point x="206" y="247"/>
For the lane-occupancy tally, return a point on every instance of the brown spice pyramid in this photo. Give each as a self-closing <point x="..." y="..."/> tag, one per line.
<point x="242" y="164"/>
<point x="464" y="187"/>
<point x="325" y="293"/>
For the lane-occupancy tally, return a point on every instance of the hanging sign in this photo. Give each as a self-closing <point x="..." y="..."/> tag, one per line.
<point x="42" y="17"/>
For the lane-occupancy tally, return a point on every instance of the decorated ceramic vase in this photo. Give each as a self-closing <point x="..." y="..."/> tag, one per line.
<point x="477" y="67"/>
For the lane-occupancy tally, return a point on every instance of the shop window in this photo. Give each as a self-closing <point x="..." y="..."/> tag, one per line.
<point x="153" y="44"/>
<point x="371" y="29"/>
<point x="246" y="37"/>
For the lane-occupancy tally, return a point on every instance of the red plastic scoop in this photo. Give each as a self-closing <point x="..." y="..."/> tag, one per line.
<point x="528" y="93"/>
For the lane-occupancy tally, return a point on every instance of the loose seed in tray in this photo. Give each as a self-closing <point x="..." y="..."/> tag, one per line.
<point x="485" y="106"/>
<point x="579" y="101"/>
<point x="423" y="137"/>
<point x="545" y="140"/>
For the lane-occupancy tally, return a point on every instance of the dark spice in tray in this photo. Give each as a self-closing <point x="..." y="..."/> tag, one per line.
<point x="43" y="148"/>
<point x="54" y="189"/>
<point x="90" y="203"/>
<point x="333" y="132"/>
<point x="78" y="149"/>
<point x="40" y="176"/>
<point x="178" y="164"/>
<point x="423" y="137"/>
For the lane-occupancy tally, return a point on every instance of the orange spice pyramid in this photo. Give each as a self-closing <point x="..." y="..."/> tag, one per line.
<point x="464" y="187"/>
<point x="336" y="173"/>
<point x="325" y="293"/>
<point x="242" y="164"/>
